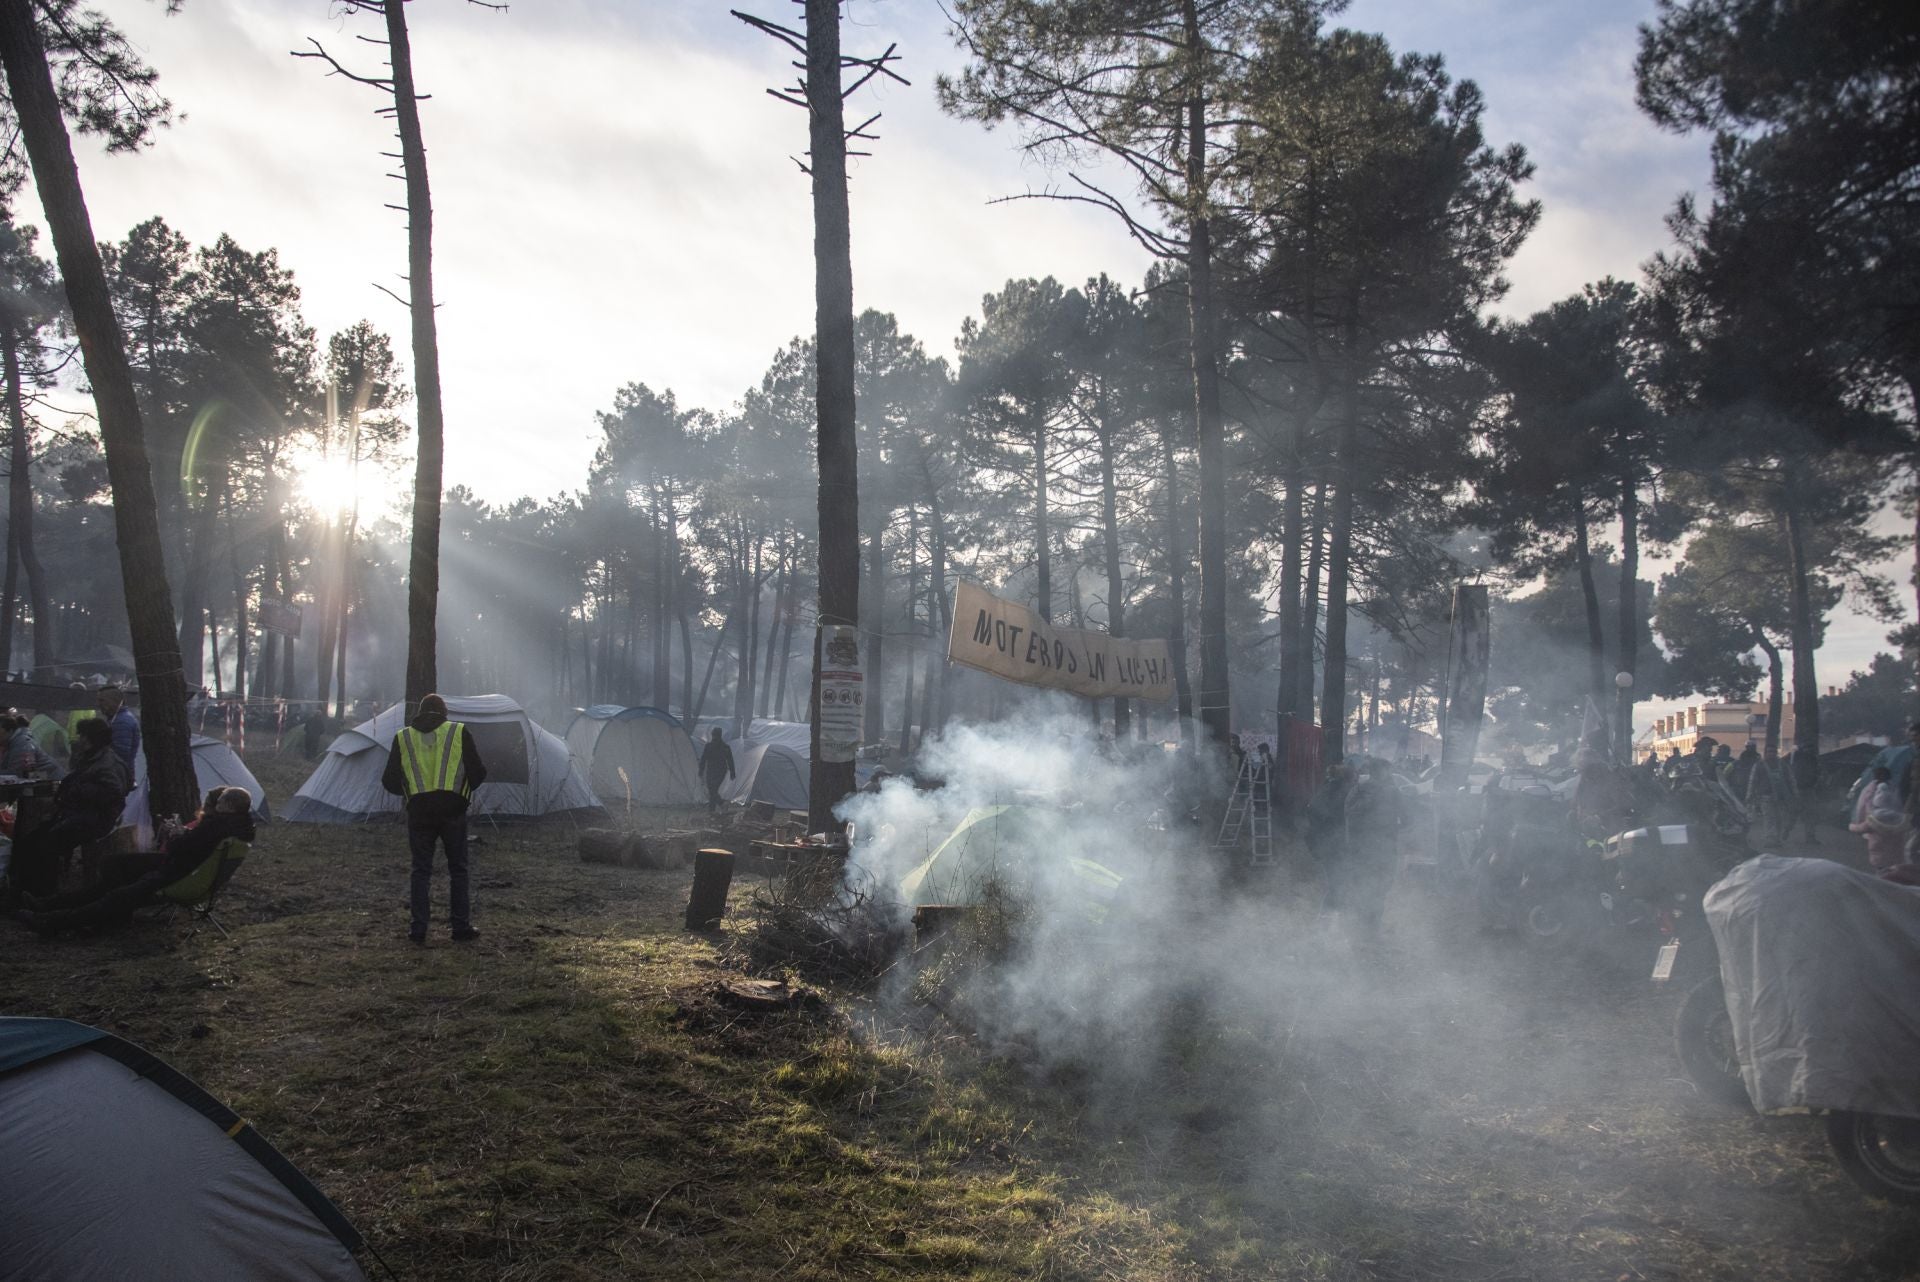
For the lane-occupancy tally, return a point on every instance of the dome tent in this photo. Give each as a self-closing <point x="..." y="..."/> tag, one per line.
<point x="215" y="765"/>
<point x="767" y="772"/>
<point x="660" y="764"/>
<point x="118" y="1166"/>
<point x="528" y="770"/>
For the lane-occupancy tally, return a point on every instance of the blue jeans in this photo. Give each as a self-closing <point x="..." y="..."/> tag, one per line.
<point x="452" y="833"/>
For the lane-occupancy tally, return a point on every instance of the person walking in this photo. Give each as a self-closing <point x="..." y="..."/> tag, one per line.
<point x="716" y="767"/>
<point x="435" y="766"/>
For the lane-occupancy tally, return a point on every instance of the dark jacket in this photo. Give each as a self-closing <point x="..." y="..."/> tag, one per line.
<point x="96" y="785"/>
<point x="716" y="762"/>
<point x="190" y="848"/>
<point x="438" y="805"/>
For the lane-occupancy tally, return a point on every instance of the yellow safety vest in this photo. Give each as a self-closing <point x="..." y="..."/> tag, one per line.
<point x="433" y="762"/>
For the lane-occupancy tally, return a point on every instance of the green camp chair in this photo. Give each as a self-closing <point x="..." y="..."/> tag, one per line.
<point x="198" y="889"/>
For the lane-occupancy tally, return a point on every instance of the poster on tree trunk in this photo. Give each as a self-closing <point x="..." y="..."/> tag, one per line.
<point x="1011" y="641"/>
<point x="842" y="693"/>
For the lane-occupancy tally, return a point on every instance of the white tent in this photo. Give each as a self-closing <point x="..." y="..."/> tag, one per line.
<point x="651" y="748"/>
<point x="795" y="736"/>
<point x="528" y="769"/>
<point x="118" y="1166"/>
<point x="215" y="765"/>
<point x="768" y="772"/>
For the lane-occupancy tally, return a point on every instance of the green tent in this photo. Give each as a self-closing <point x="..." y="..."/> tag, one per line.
<point x="1013" y="845"/>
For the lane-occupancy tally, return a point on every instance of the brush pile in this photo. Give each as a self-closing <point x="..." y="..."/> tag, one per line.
<point x="809" y="921"/>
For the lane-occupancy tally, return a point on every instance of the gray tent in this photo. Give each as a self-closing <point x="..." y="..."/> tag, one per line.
<point x="116" y="1166"/>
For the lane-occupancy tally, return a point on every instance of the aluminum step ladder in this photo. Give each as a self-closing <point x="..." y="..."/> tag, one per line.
<point x="1250" y="810"/>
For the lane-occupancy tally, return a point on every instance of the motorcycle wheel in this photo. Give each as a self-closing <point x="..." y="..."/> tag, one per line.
<point x="1881" y="1154"/>
<point x="1560" y="919"/>
<point x="1703" y="1038"/>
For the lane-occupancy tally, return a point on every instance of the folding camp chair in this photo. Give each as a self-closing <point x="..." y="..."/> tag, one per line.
<point x="198" y="889"/>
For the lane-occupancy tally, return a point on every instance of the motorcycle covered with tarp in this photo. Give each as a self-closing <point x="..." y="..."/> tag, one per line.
<point x="1818" y="963"/>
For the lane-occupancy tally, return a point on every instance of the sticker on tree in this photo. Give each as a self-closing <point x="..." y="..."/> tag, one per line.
<point x="842" y="693"/>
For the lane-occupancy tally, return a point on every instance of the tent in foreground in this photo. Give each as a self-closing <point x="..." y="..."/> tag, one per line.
<point x="117" y="1166"/>
<point x="215" y="765"/>
<point x="528" y="770"/>
<point x="635" y="756"/>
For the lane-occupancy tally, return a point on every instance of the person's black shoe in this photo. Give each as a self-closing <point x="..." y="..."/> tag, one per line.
<point x="465" y="935"/>
<point x="417" y="936"/>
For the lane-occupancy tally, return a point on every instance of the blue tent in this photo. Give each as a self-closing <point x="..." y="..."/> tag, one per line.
<point x="117" y="1166"/>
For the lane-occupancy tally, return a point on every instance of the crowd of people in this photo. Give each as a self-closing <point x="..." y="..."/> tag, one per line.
<point x="90" y="756"/>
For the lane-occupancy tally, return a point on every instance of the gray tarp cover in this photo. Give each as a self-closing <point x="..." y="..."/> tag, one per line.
<point x="1822" y="968"/>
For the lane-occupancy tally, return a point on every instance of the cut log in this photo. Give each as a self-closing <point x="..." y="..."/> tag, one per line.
<point x="712" y="876"/>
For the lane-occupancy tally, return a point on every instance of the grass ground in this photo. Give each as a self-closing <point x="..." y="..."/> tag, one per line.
<point x="566" y="1099"/>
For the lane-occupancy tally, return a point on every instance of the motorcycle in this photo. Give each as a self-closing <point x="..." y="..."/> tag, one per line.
<point x="1816" y="969"/>
<point x="1659" y="876"/>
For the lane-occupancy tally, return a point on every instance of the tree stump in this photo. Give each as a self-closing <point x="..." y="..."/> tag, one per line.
<point x="712" y="876"/>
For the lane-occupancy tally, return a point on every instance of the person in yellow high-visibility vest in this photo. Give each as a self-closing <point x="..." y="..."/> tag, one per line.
<point x="435" y="766"/>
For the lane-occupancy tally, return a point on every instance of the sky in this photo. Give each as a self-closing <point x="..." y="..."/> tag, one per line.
<point x="615" y="198"/>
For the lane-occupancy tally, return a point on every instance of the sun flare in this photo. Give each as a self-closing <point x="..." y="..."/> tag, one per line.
<point x="330" y="483"/>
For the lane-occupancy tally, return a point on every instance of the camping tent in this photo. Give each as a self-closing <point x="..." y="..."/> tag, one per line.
<point x="795" y="736"/>
<point x="528" y="770"/>
<point x="117" y="1166"/>
<point x="215" y="765"/>
<point x="1014" y="846"/>
<point x="768" y="772"/>
<point x="661" y="768"/>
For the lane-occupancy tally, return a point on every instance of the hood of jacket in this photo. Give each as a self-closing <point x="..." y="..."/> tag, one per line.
<point x="428" y="722"/>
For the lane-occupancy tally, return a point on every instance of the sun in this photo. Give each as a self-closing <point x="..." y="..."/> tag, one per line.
<point x="329" y="483"/>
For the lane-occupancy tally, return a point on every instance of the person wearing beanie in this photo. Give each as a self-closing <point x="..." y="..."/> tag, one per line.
<point x="434" y="765"/>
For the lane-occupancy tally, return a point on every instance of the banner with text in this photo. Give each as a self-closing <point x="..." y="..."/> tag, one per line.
<point x="1013" y="642"/>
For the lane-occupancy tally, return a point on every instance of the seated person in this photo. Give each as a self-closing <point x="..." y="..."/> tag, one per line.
<point x="86" y="807"/>
<point x="131" y="880"/>
<point x="21" y="756"/>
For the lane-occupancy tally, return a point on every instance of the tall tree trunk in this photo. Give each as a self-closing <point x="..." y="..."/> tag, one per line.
<point x="326" y="592"/>
<point x="423" y="561"/>
<point x="1776" y="680"/>
<point x="163" y="687"/>
<point x="713" y="659"/>
<point x="1042" y="533"/>
<point x="1291" y="523"/>
<point x="1333" y="675"/>
<point x="1210" y="434"/>
<point x="1110" y="546"/>
<point x="239" y="607"/>
<point x="873" y="714"/>
<point x="763" y="690"/>
<point x="193" y="608"/>
<point x="913" y="597"/>
<point x="341" y="614"/>
<point x="937" y="585"/>
<point x="20" y="522"/>
<point x="657" y="615"/>
<point x="1629" y="615"/>
<point x="837" y="449"/>
<point x="747" y="606"/>
<point x="1589" y="593"/>
<point x="686" y="660"/>
<point x="11" y="585"/>
<point x="1802" y="625"/>
<point x="1310" y="602"/>
<point x="1176" y="591"/>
